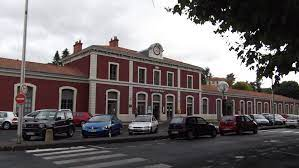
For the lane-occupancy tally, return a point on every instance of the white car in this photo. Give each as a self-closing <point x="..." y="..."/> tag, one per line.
<point x="8" y="119"/>
<point x="292" y="120"/>
<point x="143" y="124"/>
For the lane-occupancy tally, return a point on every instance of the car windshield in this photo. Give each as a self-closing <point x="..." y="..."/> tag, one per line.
<point x="143" y="119"/>
<point x="228" y="118"/>
<point x="46" y="115"/>
<point x="258" y="116"/>
<point x="177" y="120"/>
<point x="278" y="116"/>
<point x="101" y="118"/>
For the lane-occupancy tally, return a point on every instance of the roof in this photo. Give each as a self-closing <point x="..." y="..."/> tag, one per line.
<point x="217" y="79"/>
<point x="211" y="88"/>
<point x="40" y="67"/>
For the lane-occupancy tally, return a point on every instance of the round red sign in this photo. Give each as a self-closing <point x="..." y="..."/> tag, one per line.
<point x="20" y="98"/>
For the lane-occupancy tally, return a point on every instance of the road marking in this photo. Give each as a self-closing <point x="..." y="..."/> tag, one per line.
<point x="53" y="149"/>
<point x="288" y="153"/>
<point x="64" y="152"/>
<point x="101" y="147"/>
<point x="113" y="163"/>
<point x="157" y="166"/>
<point x="75" y="154"/>
<point x="88" y="159"/>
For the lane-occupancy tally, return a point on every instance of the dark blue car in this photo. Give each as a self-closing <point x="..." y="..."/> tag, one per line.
<point x="102" y="125"/>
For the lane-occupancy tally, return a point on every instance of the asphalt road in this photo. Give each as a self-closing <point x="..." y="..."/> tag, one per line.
<point x="269" y="148"/>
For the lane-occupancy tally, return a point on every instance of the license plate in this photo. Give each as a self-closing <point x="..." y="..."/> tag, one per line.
<point x="29" y="133"/>
<point x="175" y="132"/>
<point x="93" y="130"/>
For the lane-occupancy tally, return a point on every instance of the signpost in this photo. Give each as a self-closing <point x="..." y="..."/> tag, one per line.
<point x="20" y="98"/>
<point x="222" y="88"/>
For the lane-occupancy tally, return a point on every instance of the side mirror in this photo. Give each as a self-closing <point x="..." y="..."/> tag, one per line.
<point x="58" y="118"/>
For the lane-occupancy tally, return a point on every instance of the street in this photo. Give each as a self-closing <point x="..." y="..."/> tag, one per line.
<point x="269" y="148"/>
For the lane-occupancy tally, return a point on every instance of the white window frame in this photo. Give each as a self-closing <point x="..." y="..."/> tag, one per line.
<point x="191" y="81"/>
<point x="118" y="100"/>
<point x="234" y="107"/>
<point x="286" y="106"/>
<point x="257" y="108"/>
<point x="33" y="95"/>
<point x="146" y="100"/>
<point x="117" y="71"/>
<point x="280" y="108"/>
<point x="174" y="106"/>
<point x="220" y="106"/>
<point x="145" y="74"/>
<point x="74" y="96"/>
<point x="251" y="107"/>
<point x="156" y="70"/>
<point x="266" y="106"/>
<point x="244" y="109"/>
<point x="169" y="72"/>
<point x="205" y="98"/>
<point x="152" y="103"/>
<point x="189" y="96"/>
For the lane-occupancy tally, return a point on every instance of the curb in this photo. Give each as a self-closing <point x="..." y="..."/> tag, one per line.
<point x="21" y="147"/>
<point x="271" y="127"/>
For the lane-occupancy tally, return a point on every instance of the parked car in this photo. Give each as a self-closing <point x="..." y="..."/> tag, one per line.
<point x="237" y="124"/>
<point x="32" y="115"/>
<point x="292" y="120"/>
<point x="190" y="127"/>
<point x="281" y="118"/>
<point x="260" y="119"/>
<point x="80" y="118"/>
<point x="143" y="124"/>
<point x="8" y="119"/>
<point x="273" y="119"/>
<point x="60" y="121"/>
<point x="102" y="125"/>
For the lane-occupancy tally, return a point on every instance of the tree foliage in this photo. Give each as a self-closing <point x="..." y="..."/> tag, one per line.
<point x="65" y="53"/>
<point x="242" y="86"/>
<point x="230" y="79"/>
<point x="57" y="59"/>
<point x="288" y="88"/>
<point x="268" y="30"/>
<point x="206" y="75"/>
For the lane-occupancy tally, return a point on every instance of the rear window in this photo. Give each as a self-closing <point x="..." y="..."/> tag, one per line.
<point x="228" y="118"/>
<point x="177" y="120"/>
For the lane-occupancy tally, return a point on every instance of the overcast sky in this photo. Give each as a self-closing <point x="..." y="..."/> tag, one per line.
<point x="56" y="24"/>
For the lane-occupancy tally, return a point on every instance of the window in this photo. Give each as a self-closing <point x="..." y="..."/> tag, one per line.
<point x="189" y="105"/>
<point x="291" y="109"/>
<point x="67" y="99"/>
<point x="60" y="115"/>
<point x="170" y="79"/>
<point x="113" y="71"/>
<point x="275" y="108"/>
<point x="69" y="115"/>
<point x="249" y="107"/>
<point x="205" y="102"/>
<point x="234" y="106"/>
<point x="218" y="108"/>
<point x="259" y="107"/>
<point x="297" y="109"/>
<point x="266" y="107"/>
<point x="279" y="108"/>
<point x="29" y="105"/>
<point x="242" y="107"/>
<point x="170" y="106"/>
<point x="286" y="110"/>
<point x="112" y="101"/>
<point x="201" y="121"/>
<point x="189" y="81"/>
<point x="141" y="103"/>
<point x="157" y="77"/>
<point x="141" y="75"/>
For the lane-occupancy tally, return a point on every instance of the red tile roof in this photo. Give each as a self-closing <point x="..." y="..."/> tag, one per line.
<point x="39" y="67"/>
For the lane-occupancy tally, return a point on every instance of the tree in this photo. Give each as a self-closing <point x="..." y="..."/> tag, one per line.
<point x="206" y="75"/>
<point x="56" y="59"/>
<point x="65" y="53"/>
<point x="267" y="29"/>
<point x="256" y="85"/>
<point x="230" y="79"/>
<point x="287" y="88"/>
<point x="242" y="86"/>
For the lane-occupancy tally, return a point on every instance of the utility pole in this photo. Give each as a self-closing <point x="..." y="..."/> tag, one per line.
<point x="272" y="92"/>
<point x="22" y="78"/>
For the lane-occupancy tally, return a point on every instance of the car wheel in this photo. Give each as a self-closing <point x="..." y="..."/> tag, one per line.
<point x="171" y="136"/>
<point x="119" y="132"/>
<point x="221" y="133"/>
<point x="130" y="133"/>
<point x="82" y="123"/>
<point x="156" y="130"/>
<point x="255" y="131"/>
<point x="213" y="133"/>
<point x="6" y="125"/>
<point x="190" y="135"/>
<point x="110" y="133"/>
<point x="84" y="136"/>
<point x="239" y="132"/>
<point x="70" y="132"/>
<point x="26" y="137"/>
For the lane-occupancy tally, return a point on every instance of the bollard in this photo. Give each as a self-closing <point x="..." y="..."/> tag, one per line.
<point x="49" y="136"/>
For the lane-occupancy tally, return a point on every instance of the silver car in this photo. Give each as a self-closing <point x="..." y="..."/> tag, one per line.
<point x="292" y="120"/>
<point x="143" y="124"/>
<point x="8" y="119"/>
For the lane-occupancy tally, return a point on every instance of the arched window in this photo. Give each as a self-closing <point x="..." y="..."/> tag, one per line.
<point x="156" y="105"/>
<point x="170" y="105"/>
<point x="291" y="109"/>
<point x="218" y="108"/>
<point x="259" y="107"/>
<point x="189" y="105"/>
<point x="249" y="107"/>
<point x="141" y="103"/>
<point x="242" y="107"/>
<point x="266" y="107"/>
<point x="286" y="110"/>
<point x="67" y="98"/>
<point x="112" y="102"/>
<point x="29" y="105"/>
<point x="205" y="105"/>
<point x="279" y="108"/>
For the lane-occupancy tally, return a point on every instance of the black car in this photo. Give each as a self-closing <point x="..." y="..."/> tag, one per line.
<point x="60" y="121"/>
<point x="190" y="127"/>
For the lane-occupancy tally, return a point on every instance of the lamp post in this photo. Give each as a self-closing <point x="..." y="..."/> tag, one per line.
<point x="22" y="78"/>
<point x="272" y="99"/>
<point x="222" y="88"/>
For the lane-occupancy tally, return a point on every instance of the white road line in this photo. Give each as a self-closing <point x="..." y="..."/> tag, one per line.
<point x="113" y="163"/>
<point x="64" y="152"/>
<point x="75" y="154"/>
<point x="53" y="149"/>
<point x="157" y="166"/>
<point x="88" y="159"/>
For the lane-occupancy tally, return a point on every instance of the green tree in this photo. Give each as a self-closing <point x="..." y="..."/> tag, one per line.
<point x="230" y="79"/>
<point x="242" y="86"/>
<point x="287" y="88"/>
<point x="267" y="29"/>
<point x="65" y="53"/>
<point x="256" y="85"/>
<point x="56" y="59"/>
<point x="206" y="75"/>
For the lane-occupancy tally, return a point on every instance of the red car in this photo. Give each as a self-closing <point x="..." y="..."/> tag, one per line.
<point x="237" y="124"/>
<point x="81" y="118"/>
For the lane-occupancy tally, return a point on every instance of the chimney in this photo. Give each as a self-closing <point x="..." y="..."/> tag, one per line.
<point x="77" y="47"/>
<point x="113" y="42"/>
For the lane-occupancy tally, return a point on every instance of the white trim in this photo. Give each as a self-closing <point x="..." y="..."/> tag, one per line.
<point x="265" y="107"/>
<point x="280" y="108"/>
<point x="160" y="102"/>
<point x="189" y="96"/>
<point x="191" y="81"/>
<point x="146" y="101"/>
<point x="205" y="98"/>
<point x="167" y="84"/>
<point x="33" y="95"/>
<point x="173" y="105"/>
<point x="117" y="71"/>
<point x="118" y="100"/>
<point x="74" y="96"/>
<point x="286" y="106"/>
<point x="156" y="70"/>
<point x="257" y="109"/>
<point x="220" y="107"/>
<point x="93" y="62"/>
<point x="244" y="110"/>
<point x="251" y="107"/>
<point x="234" y="107"/>
<point x="145" y="75"/>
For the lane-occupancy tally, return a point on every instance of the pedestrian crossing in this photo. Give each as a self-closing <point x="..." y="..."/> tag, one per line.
<point x="92" y="157"/>
<point x="295" y="131"/>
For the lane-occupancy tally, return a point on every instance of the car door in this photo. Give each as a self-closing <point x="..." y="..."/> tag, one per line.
<point x="60" y="122"/>
<point x="1" y="118"/>
<point x="249" y="124"/>
<point x="154" y="123"/>
<point x="115" y="124"/>
<point x="241" y="123"/>
<point x="191" y="125"/>
<point x="202" y="126"/>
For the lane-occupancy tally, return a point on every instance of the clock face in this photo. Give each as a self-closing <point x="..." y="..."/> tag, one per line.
<point x="157" y="50"/>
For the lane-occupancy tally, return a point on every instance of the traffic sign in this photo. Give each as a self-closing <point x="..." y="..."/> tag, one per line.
<point x="20" y="98"/>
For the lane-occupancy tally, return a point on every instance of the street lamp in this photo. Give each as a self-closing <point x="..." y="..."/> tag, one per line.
<point x="222" y="88"/>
